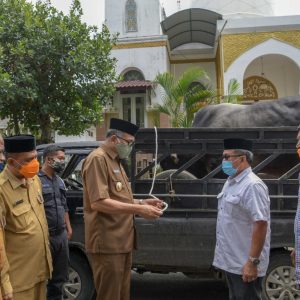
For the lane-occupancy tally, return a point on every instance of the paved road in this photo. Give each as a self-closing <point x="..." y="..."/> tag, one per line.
<point x="175" y="287"/>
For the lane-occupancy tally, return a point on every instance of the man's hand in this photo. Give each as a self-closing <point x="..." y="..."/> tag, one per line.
<point x="149" y="211"/>
<point x="69" y="232"/>
<point x="154" y="202"/>
<point x="8" y="297"/>
<point x="293" y="257"/>
<point x="249" y="272"/>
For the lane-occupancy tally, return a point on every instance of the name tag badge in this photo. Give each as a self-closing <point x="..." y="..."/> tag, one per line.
<point x="119" y="186"/>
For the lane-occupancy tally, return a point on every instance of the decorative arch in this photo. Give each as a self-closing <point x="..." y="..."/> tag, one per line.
<point x="259" y="88"/>
<point x="131" y="16"/>
<point x="272" y="46"/>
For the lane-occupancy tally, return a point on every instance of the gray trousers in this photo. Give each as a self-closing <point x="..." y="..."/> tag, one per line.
<point x="240" y="290"/>
<point x="60" y="258"/>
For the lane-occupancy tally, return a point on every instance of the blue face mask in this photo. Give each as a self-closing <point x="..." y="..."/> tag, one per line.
<point x="2" y="166"/>
<point x="228" y="168"/>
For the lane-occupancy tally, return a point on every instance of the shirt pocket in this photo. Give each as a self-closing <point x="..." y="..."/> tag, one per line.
<point x="48" y="197"/>
<point x="232" y="205"/>
<point x="22" y="215"/>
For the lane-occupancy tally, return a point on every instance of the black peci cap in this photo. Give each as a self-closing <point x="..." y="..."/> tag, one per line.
<point x="19" y="143"/>
<point x="124" y="126"/>
<point x="237" y="144"/>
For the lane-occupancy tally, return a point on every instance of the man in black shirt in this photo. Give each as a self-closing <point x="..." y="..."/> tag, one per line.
<point x="60" y="230"/>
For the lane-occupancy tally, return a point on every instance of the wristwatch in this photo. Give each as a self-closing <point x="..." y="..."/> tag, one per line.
<point x="254" y="260"/>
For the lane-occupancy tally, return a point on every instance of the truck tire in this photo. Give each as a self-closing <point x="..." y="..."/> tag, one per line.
<point x="80" y="285"/>
<point x="279" y="282"/>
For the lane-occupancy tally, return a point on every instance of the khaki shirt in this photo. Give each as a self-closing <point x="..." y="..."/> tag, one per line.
<point x="104" y="177"/>
<point x="25" y="234"/>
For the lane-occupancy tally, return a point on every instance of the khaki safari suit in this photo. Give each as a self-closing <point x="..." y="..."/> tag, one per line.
<point x="109" y="238"/>
<point x="2" y="251"/>
<point x="28" y="264"/>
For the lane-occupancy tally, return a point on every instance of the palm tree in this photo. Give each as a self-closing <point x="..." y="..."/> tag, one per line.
<point x="234" y="93"/>
<point x="182" y="97"/>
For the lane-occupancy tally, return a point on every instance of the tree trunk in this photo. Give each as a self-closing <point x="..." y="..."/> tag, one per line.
<point x="16" y="125"/>
<point x="46" y="130"/>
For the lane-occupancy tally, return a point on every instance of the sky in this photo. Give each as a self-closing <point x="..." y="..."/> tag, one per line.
<point x="94" y="9"/>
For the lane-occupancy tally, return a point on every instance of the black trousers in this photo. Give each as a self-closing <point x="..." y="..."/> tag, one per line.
<point x="60" y="258"/>
<point x="240" y="290"/>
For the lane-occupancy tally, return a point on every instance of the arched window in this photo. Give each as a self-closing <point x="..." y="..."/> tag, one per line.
<point x="130" y="16"/>
<point x="133" y="75"/>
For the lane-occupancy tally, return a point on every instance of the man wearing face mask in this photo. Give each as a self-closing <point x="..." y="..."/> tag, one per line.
<point x="60" y="230"/>
<point x="109" y="210"/>
<point x="243" y="224"/>
<point x="295" y="255"/>
<point x="28" y="265"/>
<point x="2" y="248"/>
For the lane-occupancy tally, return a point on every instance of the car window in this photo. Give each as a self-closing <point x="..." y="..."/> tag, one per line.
<point x="76" y="174"/>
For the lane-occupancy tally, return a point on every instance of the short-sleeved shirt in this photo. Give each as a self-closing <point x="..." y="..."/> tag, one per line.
<point x="297" y="238"/>
<point x="26" y="233"/>
<point x="104" y="177"/>
<point x="243" y="201"/>
<point x="55" y="203"/>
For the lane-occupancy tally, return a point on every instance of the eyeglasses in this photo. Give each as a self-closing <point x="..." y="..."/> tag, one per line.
<point x="129" y="143"/>
<point x="227" y="156"/>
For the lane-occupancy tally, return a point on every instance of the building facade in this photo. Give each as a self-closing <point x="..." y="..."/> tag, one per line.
<point x="229" y="39"/>
<point x="239" y="40"/>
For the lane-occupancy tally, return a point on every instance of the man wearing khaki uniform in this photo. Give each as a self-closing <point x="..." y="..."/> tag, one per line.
<point x="2" y="249"/>
<point x="108" y="212"/>
<point x="28" y="264"/>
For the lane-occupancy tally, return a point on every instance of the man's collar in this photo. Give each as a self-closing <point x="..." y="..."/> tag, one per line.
<point x="241" y="176"/>
<point x="15" y="181"/>
<point x="110" y="151"/>
<point x="44" y="174"/>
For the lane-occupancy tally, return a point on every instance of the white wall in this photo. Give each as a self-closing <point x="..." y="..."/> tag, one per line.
<point x="89" y="135"/>
<point x="237" y="8"/>
<point x="148" y="17"/>
<point x="280" y="70"/>
<point x="150" y="60"/>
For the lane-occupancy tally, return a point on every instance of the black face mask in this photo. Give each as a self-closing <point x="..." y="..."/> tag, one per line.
<point x="58" y="165"/>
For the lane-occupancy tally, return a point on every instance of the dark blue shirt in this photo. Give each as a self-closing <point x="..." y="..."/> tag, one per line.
<point x="54" y="194"/>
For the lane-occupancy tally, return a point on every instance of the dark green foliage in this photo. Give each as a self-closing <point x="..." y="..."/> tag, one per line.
<point x="55" y="71"/>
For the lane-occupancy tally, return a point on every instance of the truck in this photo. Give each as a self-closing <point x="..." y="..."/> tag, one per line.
<point x="182" y="166"/>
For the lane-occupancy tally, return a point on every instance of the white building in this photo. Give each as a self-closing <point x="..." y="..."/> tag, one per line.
<point x="227" y="38"/>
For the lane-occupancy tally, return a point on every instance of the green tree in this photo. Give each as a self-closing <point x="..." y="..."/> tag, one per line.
<point x="234" y="93"/>
<point x="55" y="71"/>
<point x="182" y="97"/>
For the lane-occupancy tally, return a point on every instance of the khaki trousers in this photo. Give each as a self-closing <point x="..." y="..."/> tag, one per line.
<point x="112" y="274"/>
<point x="38" y="292"/>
